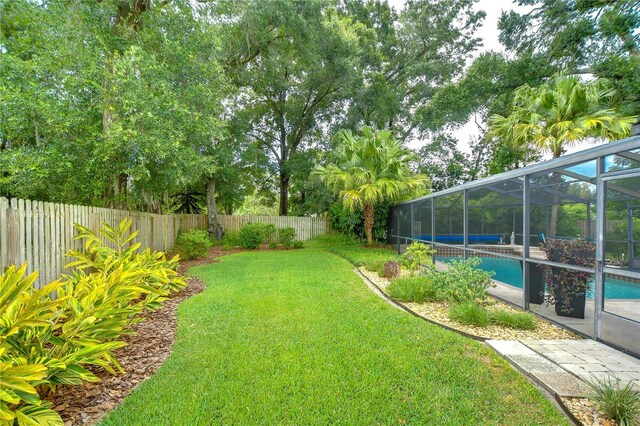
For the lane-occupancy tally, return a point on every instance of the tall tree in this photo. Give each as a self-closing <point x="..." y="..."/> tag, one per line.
<point x="369" y="169"/>
<point x="597" y="37"/>
<point x="442" y="161"/>
<point x="149" y="71"/>
<point x="300" y="65"/>
<point x="406" y="59"/>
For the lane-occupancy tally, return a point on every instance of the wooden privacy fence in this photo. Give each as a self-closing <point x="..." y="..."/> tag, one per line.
<point x="306" y="227"/>
<point x="40" y="233"/>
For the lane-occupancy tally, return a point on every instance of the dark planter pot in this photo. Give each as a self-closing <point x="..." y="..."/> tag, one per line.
<point x="577" y="302"/>
<point x="536" y="284"/>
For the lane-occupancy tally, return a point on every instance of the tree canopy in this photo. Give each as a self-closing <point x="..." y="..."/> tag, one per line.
<point x="227" y="106"/>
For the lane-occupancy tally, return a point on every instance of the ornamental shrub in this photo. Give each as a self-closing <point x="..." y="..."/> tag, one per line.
<point x="563" y="285"/>
<point x="231" y="240"/>
<point x="391" y="269"/>
<point x="462" y="282"/>
<point x="286" y="236"/>
<point x="416" y="256"/>
<point x="45" y="342"/>
<point x="193" y="244"/>
<point x="298" y="244"/>
<point x="620" y="403"/>
<point x="253" y="234"/>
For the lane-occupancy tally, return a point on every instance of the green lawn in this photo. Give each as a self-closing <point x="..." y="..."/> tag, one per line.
<point x="294" y="337"/>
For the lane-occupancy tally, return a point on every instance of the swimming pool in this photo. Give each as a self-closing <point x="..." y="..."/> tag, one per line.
<point x="509" y="272"/>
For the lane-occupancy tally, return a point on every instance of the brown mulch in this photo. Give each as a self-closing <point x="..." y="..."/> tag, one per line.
<point x="145" y="352"/>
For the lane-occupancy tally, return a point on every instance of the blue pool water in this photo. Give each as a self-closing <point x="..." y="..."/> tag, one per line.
<point x="509" y="272"/>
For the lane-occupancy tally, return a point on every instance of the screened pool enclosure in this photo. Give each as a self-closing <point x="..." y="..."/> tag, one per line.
<point x="562" y="237"/>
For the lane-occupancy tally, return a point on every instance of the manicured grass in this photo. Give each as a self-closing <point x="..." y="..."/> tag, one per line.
<point x="356" y="253"/>
<point x="294" y="337"/>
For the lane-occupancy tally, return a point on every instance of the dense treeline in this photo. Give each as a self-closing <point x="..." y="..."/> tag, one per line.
<point x="174" y="104"/>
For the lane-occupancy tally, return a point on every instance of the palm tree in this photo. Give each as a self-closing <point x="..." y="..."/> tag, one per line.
<point x="560" y="114"/>
<point x="369" y="169"/>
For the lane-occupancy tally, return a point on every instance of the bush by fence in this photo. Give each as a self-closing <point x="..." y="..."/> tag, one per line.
<point x="39" y="233"/>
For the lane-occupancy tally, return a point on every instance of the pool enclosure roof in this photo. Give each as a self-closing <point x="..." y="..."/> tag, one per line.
<point x="552" y="182"/>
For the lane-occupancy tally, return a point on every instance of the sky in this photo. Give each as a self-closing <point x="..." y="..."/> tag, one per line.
<point x="489" y="33"/>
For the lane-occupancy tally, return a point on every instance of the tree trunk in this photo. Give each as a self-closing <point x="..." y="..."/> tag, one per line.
<point x="368" y="222"/>
<point x="284" y="193"/>
<point x="215" y="229"/>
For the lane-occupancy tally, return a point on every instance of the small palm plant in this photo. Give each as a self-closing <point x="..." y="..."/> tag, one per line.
<point x="369" y="169"/>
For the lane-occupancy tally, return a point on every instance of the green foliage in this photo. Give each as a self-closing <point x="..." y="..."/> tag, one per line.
<point x="253" y="234"/>
<point x="231" y="240"/>
<point x="49" y="342"/>
<point x="402" y="66"/>
<point x="352" y="223"/>
<point x="595" y="36"/>
<point x="273" y="245"/>
<point x="187" y="202"/>
<point x="370" y="169"/>
<point x="274" y="51"/>
<point x="469" y="313"/>
<point x="417" y="256"/>
<point x="413" y="289"/>
<point x="443" y="162"/>
<point x="517" y="320"/>
<point x="108" y="103"/>
<point x="557" y="115"/>
<point x="25" y="315"/>
<point x="462" y="281"/>
<point x="193" y="244"/>
<point x="298" y="244"/>
<point x="620" y="403"/>
<point x="286" y="236"/>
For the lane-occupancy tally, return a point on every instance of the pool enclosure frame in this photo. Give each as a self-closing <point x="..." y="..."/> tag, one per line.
<point x="539" y="186"/>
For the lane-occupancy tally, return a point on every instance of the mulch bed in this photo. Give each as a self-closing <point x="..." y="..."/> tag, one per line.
<point x="145" y="352"/>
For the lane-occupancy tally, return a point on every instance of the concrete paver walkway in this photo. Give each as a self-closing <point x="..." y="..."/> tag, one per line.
<point x="565" y="366"/>
<point x="589" y="359"/>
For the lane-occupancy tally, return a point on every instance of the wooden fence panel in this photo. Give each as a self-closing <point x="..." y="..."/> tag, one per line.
<point x="40" y="233"/>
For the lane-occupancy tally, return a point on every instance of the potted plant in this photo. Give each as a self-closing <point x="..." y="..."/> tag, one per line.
<point x="566" y="288"/>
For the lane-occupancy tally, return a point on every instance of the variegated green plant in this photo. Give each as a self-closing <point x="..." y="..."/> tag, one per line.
<point x="150" y="274"/>
<point x="45" y="341"/>
<point x="26" y="314"/>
